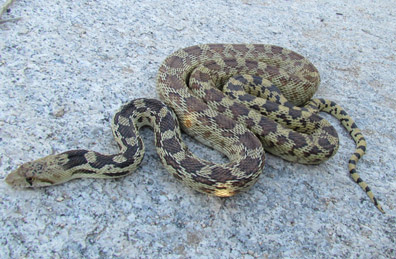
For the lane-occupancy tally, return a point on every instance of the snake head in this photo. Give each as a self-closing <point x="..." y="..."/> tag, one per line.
<point x="38" y="173"/>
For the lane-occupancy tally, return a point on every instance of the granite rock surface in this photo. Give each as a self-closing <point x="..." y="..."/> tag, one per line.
<point x="67" y="66"/>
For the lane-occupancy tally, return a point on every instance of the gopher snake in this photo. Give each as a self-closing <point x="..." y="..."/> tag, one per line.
<point x="234" y="98"/>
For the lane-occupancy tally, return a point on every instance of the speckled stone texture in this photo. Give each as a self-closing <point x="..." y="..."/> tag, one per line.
<point x="67" y="66"/>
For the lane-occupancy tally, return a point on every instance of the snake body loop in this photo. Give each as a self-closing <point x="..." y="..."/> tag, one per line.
<point x="238" y="99"/>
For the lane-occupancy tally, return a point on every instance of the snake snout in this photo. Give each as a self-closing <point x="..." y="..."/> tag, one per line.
<point x="20" y="177"/>
<point x="30" y="174"/>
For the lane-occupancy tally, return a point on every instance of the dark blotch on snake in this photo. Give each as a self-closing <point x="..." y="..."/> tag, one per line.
<point x="75" y="158"/>
<point x="172" y="145"/>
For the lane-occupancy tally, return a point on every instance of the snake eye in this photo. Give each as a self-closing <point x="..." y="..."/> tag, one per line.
<point x="29" y="180"/>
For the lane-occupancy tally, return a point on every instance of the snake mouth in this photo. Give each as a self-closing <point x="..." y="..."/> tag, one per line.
<point x="18" y="178"/>
<point x="15" y="180"/>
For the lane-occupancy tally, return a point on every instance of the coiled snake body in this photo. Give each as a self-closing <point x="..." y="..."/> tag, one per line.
<point x="237" y="99"/>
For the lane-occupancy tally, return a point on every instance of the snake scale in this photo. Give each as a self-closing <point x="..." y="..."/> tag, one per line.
<point x="236" y="98"/>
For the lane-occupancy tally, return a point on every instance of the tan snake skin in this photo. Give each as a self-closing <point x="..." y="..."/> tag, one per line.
<point x="234" y="98"/>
